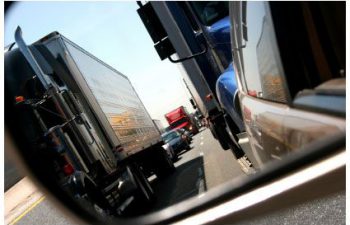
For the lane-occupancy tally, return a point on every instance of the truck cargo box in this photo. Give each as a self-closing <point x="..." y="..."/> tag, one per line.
<point x="109" y="95"/>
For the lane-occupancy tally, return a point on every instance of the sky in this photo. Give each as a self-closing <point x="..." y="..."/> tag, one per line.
<point x="114" y="33"/>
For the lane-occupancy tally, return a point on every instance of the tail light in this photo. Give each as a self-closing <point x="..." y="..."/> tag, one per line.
<point x="19" y="99"/>
<point x="252" y="93"/>
<point x="209" y="97"/>
<point x="68" y="169"/>
<point x="119" y="149"/>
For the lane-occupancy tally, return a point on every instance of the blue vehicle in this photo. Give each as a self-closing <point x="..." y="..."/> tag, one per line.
<point x="199" y="34"/>
<point x="175" y="141"/>
<point x="227" y="92"/>
<point x="214" y="18"/>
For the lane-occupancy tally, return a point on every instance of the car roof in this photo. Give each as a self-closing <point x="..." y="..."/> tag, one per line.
<point x="172" y="131"/>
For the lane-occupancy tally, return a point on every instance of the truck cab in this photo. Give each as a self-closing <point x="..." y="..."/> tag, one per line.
<point x="179" y="118"/>
<point x="196" y="34"/>
<point x="213" y="19"/>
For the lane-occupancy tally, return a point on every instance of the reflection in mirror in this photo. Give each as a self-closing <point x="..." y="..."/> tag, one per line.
<point x="125" y="145"/>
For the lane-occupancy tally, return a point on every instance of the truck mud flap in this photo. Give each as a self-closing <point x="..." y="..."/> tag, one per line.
<point x="163" y="165"/>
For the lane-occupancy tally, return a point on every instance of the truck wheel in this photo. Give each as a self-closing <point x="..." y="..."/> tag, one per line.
<point x="174" y="157"/>
<point x="220" y="134"/>
<point x="96" y="198"/>
<point x="188" y="145"/>
<point x="165" y="165"/>
<point x="242" y="159"/>
<point x="232" y="126"/>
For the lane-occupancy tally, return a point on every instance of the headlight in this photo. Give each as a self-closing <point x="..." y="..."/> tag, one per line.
<point x="166" y="146"/>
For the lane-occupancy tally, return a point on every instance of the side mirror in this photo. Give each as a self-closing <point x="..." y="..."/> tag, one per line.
<point x="193" y="103"/>
<point x="162" y="44"/>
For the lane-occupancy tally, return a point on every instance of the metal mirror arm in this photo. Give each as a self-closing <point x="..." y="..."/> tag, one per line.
<point x="189" y="57"/>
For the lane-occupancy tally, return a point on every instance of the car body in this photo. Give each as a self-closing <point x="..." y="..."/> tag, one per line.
<point x="170" y="151"/>
<point x="176" y="141"/>
<point x="186" y="134"/>
<point x="287" y="103"/>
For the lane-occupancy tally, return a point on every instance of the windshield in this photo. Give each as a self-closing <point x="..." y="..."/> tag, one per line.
<point x="179" y="122"/>
<point x="170" y="136"/>
<point x="210" y="12"/>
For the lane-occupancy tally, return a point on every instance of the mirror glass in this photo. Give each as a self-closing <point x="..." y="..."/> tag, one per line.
<point x="107" y="123"/>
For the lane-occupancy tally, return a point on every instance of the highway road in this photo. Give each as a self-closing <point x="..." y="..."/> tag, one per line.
<point x="12" y="174"/>
<point x="198" y="170"/>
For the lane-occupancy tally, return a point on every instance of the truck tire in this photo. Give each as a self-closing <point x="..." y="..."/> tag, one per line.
<point x="94" y="195"/>
<point x="220" y="134"/>
<point x="244" y="162"/>
<point x="165" y="165"/>
<point x="188" y="146"/>
<point x="232" y="126"/>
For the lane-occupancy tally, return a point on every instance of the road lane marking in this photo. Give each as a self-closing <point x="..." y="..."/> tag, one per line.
<point x="201" y="153"/>
<point x="201" y="143"/>
<point x="275" y="156"/>
<point x="202" y="137"/>
<point x="200" y="173"/>
<point x="201" y="187"/>
<point x="201" y="195"/>
<point x="27" y="210"/>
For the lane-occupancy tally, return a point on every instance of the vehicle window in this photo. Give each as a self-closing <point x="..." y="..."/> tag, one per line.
<point x="170" y="136"/>
<point x="262" y="67"/>
<point x="189" y="15"/>
<point x="178" y="122"/>
<point x="210" y="12"/>
<point x="316" y="67"/>
<point x="303" y="67"/>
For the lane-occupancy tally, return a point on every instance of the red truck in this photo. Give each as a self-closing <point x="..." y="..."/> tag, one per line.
<point x="180" y="118"/>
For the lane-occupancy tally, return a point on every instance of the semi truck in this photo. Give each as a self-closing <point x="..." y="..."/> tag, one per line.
<point x="82" y="124"/>
<point x="180" y="118"/>
<point x="197" y="36"/>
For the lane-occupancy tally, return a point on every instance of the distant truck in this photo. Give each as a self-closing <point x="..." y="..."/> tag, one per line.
<point x="180" y="118"/>
<point x="82" y="124"/>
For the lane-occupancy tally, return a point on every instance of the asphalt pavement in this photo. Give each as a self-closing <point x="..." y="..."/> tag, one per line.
<point x="203" y="167"/>
<point x="46" y="213"/>
<point x="199" y="169"/>
<point x="12" y="174"/>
